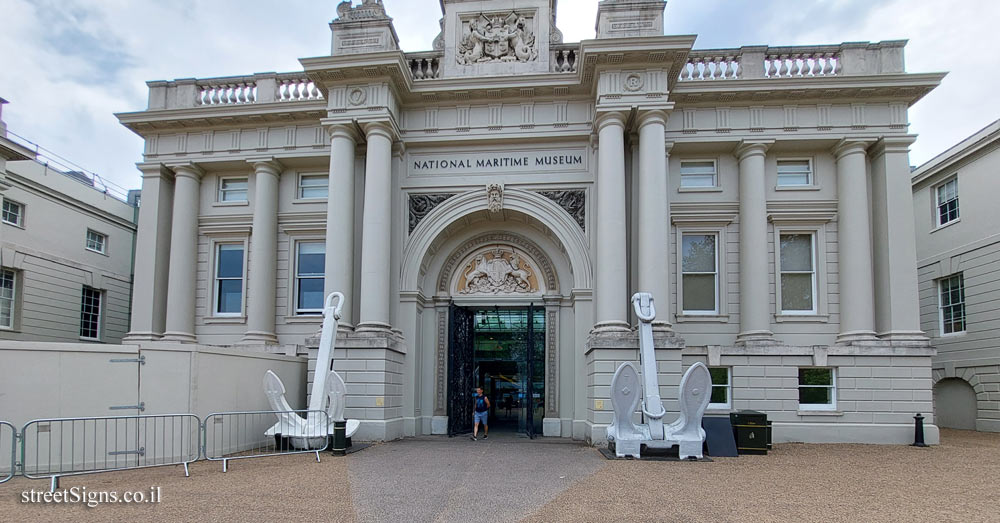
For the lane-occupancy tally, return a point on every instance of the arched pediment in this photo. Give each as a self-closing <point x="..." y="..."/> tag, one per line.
<point x="495" y="254"/>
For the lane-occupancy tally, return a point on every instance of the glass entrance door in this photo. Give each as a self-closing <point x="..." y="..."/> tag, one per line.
<point x="509" y="366"/>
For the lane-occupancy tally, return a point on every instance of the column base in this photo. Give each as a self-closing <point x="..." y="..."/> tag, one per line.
<point x="610" y="326"/>
<point x="373" y="326"/>
<point x="662" y="326"/>
<point x="904" y="336"/>
<point x="765" y="336"/>
<point x="259" y="337"/>
<point x="847" y="338"/>
<point x="179" y="337"/>
<point x="135" y="338"/>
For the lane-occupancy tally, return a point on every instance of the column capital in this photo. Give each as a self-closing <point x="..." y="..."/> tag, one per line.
<point x="267" y="165"/>
<point x="851" y="146"/>
<point x="610" y="117"/>
<point x="188" y="169"/>
<point x="892" y="144"/>
<point x="153" y="170"/>
<point x="341" y="129"/>
<point x="652" y="116"/>
<point x="747" y="148"/>
<point x="380" y="127"/>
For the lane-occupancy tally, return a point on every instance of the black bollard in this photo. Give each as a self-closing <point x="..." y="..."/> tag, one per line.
<point x="339" y="438"/>
<point x="918" y="431"/>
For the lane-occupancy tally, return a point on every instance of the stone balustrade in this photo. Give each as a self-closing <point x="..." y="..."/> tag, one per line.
<point x="563" y="58"/>
<point x="755" y="62"/>
<point x="232" y="91"/>
<point x="425" y="66"/>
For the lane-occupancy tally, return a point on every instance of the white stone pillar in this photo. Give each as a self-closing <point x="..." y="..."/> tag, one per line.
<point x="340" y="221"/>
<point x="152" y="247"/>
<point x="183" y="254"/>
<point x="610" y="271"/>
<point x="897" y="303"/>
<point x="654" y="214"/>
<point x="376" y="233"/>
<point x="755" y="323"/>
<point x="857" y="299"/>
<point x="263" y="263"/>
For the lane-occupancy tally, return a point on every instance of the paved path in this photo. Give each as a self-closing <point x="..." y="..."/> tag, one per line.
<point x="503" y="478"/>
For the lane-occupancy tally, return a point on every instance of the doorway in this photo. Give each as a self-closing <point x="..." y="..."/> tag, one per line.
<point x="500" y="350"/>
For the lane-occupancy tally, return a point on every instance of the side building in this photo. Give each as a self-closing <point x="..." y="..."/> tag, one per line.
<point x="66" y="251"/>
<point x="958" y="253"/>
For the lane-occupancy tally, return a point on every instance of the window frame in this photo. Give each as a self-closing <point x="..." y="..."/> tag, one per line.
<point x="100" y="313"/>
<point x="728" y="387"/>
<point x="216" y="295"/>
<point x="14" y="296"/>
<point x="832" y="406"/>
<point x="811" y="180"/>
<point x="221" y="192"/>
<point x="682" y="273"/>
<point x="296" y="311"/>
<point x="705" y="225"/>
<point x="299" y="187"/>
<point x="814" y="243"/>
<point x="104" y="242"/>
<point x="937" y="203"/>
<point x="715" y="175"/>
<point x="20" y="215"/>
<point x="941" y="306"/>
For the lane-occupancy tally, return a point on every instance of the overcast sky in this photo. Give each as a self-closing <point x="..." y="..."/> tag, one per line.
<point x="67" y="65"/>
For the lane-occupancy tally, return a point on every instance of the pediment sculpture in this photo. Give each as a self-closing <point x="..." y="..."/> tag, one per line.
<point x="497" y="38"/>
<point x="498" y="271"/>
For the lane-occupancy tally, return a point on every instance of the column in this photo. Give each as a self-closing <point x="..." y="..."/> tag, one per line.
<point x="897" y="313"/>
<point x="610" y="284"/>
<point x="755" y="322"/>
<point x="376" y="226"/>
<point x="340" y="221"/>
<point x="262" y="263"/>
<point x="654" y="214"/>
<point x="183" y="254"/>
<point x="152" y="247"/>
<point x="857" y="299"/>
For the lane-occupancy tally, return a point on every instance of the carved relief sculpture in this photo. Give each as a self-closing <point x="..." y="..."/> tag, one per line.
<point x="422" y="204"/>
<point x="497" y="39"/>
<point x="573" y="201"/>
<point x="498" y="271"/>
<point x="368" y="10"/>
<point x="494" y="197"/>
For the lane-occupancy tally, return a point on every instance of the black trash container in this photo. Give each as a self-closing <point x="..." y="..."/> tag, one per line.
<point x="752" y="431"/>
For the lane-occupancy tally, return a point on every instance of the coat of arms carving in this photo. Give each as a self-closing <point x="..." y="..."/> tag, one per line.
<point x="500" y="270"/>
<point x="497" y="38"/>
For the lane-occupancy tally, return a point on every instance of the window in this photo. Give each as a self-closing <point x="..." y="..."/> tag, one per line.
<point x="90" y="314"/>
<point x="229" y="279"/>
<point x="13" y="213"/>
<point x="233" y="190"/>
<point x="96" y="241"/>
<point x="720" y="388"/>
<point x="817" y="389"/>
<point x="699" y="173"/>
<point x="798" y="274"/>
<point x="313" y="186"/>
<point x="700" y="276"/>
<point x="309" y="271"/>
<point x="947" y="202"/>
<point x="7" y="296"/>
<point x="793" y="173"/>
<point x="952" y="304"/>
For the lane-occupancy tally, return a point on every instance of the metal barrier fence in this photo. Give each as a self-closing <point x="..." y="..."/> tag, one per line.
<point x="239" y="435"/>
<point x="51" y="448"/>
<point x="8" y="439"/>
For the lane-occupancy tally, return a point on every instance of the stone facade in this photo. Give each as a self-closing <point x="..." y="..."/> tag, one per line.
<point x="600" y="162"/>
<point x="66" y="252"/>
<point x="958" y="250"/>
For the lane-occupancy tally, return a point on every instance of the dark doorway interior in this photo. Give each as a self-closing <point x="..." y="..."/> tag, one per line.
<point x="506" y="361"/>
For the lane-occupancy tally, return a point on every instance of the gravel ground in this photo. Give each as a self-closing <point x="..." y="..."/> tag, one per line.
<point x="958" y="480"/>
<point x="508" y="478"/>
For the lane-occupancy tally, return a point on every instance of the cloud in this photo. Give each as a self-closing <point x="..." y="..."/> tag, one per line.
<point x="69" y="65"/>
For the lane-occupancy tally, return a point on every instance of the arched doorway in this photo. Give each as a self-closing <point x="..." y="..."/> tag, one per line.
<point x="955" y="404"/>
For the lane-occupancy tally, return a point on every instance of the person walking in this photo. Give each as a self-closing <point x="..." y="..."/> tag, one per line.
<point x="482" y="412"/>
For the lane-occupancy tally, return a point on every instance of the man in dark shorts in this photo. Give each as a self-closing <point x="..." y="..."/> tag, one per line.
<point x="481" y="406"/>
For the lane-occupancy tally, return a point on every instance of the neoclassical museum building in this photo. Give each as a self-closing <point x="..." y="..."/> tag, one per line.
<point x="489" y="206"/>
